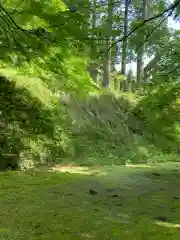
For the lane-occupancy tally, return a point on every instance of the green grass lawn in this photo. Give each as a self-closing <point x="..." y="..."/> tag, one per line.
<point x="131" y="203"/>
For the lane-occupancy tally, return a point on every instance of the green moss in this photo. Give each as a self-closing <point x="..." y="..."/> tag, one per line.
<point x="47" y="205"/>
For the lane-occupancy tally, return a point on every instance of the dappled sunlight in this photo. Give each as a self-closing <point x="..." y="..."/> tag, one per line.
<point x="35" y="86"/>
<point x="168" y="225"/>
<point x="142" y="150"/>
<point x="81" y="139"/>
<point x="79" y="170"/>
<point x="139" y="166"/>
<point x="120" y="204"/>
<point x="160" y="166"/>
<point x="86" y="235"/>
<point x="127" y="173"/>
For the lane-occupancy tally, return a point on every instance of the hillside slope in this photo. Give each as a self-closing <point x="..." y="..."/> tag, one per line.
<point x="99" y="128"/>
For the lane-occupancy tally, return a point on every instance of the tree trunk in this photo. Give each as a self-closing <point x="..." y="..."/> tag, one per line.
<point x="93" y="72"/>
<point x="107" y="54"/>
<point x="150" y="67"/>
<point x="106" y="70"/>
<point x="140" y="52"/>
<point x="129" y="80"/>
<point x="94" y="15"/>
<point x="124" y="44"/>
<point x="92" y="68"/>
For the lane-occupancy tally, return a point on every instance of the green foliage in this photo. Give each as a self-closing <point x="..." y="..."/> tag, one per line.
<point x="161" y="113"/>
<point x="111" y="129"/>
<point x="50" y="45"/>
<point x="153" y="40"/>
<point x="99" y="128"/>
<point x="31" y="29"/>
<point x="168" y="67"/>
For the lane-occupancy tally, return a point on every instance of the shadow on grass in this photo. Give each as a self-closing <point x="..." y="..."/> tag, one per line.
<point x="117" y="210"/>
<point x="153" y="192"/>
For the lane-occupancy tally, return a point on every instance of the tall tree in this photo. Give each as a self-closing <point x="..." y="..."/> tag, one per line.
<point x="107" y="53"/>
<point x="92" y="68"/>
<point x="124" y="43"/>
<point x="140" y="52"/>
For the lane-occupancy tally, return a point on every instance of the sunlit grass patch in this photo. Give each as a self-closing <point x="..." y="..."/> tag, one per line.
<point x="79" y="170"/>
<point x="138" y="166"/>
<point x="168" y="225"/>
<point x="41" y="204"/>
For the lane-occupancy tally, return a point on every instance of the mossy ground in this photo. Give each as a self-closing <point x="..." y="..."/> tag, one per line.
<point x="137" y="203"/>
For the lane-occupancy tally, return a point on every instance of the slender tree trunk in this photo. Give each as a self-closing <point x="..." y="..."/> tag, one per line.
<point x="92" y="68"/>
<point x="94" y="14"/>
<point x="124" y="46"/>
<point x="106" y="69"/>
<point x="140" y="53"/>
<point x="107" y="54"/>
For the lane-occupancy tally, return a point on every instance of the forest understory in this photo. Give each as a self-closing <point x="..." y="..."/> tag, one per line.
<point x="89" y="119"/>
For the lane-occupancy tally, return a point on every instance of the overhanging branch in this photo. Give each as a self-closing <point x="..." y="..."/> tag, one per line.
<point x="154" y="29"/>
<point x="171" y="8"/>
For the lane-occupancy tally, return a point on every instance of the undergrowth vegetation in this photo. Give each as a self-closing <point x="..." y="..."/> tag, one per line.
<point x="97" y="127"/>
<point x="87" y="86"/>
<point x="62" y="98"/>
